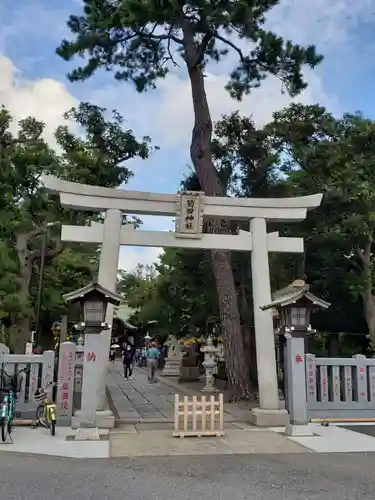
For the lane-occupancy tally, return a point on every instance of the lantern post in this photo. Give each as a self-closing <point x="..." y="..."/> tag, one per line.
<point x="94" y="300"/>
<point x="294" y="304"/>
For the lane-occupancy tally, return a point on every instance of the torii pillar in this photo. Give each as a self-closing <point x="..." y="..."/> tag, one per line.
<point x="108" y="269"/>
<point x="269" y="413"/>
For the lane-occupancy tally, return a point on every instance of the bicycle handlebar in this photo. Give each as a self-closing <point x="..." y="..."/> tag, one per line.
<point x="14" y="376"/>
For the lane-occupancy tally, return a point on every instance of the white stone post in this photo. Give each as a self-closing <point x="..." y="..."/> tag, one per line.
<point x="108" y="269"/>
<point x="65" y="383"/>
<point x="268" y="413"/>
<point x="88" y="426"/>
<point x="295" y="370"/>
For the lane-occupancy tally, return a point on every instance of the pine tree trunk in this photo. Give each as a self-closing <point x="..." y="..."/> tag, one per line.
<point x="21" y="331"/>
<point x="248" y="339"/>
<point x="367" y="296"/>
<point x="200" y="151"/>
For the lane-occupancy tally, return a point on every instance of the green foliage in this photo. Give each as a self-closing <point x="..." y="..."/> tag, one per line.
<point x="304" y="150"/>
<point x="334" y="156"/>
<point x="140" y="41"/>
<point x="97" y="156"/>
<point x="244" y="159"/>
<point x="178" y="297"/>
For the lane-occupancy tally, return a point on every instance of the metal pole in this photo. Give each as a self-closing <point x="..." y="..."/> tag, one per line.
<point x="40" y="288"/>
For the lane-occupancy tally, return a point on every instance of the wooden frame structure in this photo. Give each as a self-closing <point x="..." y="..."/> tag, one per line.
<point x="199" y="417"/>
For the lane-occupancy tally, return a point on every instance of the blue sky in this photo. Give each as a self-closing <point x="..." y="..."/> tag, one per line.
<point x="33" y="81"/>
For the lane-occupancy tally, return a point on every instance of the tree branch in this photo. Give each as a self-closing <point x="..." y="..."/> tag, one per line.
<point x="126" y="157"/>
<point x="49" y="253"/>
<point x="169" y="50"/>
<point x="25" y="236"/>
<point x="365" y="254"/>
<point x="230" y="44"/>
<point x="203" y="46"/>
<point x="243" y="59"/>
<point x="167" y="36"/>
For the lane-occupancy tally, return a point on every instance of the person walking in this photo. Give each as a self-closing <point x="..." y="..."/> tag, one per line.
<point x="153" y="355"/>
<point x="112" y="355"/>
<point x="128" y="358"/>
<point x="137" y="355"/>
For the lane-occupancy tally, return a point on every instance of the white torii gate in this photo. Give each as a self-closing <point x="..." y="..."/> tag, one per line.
<point x="190" y="208"/>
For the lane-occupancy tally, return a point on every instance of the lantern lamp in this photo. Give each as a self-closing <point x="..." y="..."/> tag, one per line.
<point x="94" y="300"/>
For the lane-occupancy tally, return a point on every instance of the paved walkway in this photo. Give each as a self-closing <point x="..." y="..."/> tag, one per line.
<point x="138" y="400"/>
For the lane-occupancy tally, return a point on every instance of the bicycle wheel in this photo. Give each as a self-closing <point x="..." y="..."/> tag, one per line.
<point x="4" y="429"/>
<point x="41" y="416"/>
<point x="52" y="427"/>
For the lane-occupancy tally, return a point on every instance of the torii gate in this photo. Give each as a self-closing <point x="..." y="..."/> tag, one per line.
<point x="189" y="209"/>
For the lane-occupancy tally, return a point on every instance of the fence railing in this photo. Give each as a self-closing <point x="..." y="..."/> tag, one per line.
<point x="40" y="371"/>
<point x="340" y="387"/>
<point x="199" y="417"/>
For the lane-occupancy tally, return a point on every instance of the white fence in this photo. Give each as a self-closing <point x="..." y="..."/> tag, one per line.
<point x="40" y="369"/>
<point x="204" y="417"/>
<point x="40" y="372"/>
<point x="340" y="387"/>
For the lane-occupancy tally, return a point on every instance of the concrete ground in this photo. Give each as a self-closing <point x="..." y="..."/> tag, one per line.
<point x="146" y="412"/>
<point x="130" y="443"/>
<point x="155" y="439"/>
<point x="337" y="439"/>
<point x="39" y="441"/>
<point x="236" y="477"/>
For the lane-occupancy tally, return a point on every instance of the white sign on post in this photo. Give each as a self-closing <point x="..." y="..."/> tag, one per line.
<point x="189" y="215"/>
<point x="65" y="383"/>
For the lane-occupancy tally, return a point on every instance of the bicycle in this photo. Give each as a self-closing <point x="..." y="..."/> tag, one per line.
<point x="10" y="389"/>
<point x="46" y="409"/>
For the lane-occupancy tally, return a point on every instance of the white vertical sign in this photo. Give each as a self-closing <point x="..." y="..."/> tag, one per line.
<point x="189" y="214"/>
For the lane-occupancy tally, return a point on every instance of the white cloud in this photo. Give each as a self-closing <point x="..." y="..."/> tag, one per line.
<point x="45" y="99"/>
<point x="130" y="257"/>
<point x="174" y="112"/>
<point x="167" y="113"/>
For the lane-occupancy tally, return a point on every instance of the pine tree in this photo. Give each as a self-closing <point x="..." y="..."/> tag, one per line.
<point x="141" y="41"/>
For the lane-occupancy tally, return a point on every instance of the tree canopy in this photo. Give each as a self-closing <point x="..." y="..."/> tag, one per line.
<point x="141" y="41"/>
<point x="97" y="155"/>
<point x="138" y="39"/>
<point x="303" y="150"/>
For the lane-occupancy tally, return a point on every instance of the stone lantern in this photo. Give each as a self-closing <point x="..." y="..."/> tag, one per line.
<point x="147" y="338"/>
<point x="292" y="308"/>
<point x="94" y="300"/>
<point x="210" y="364"/>
<point x="294" y="304"/>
